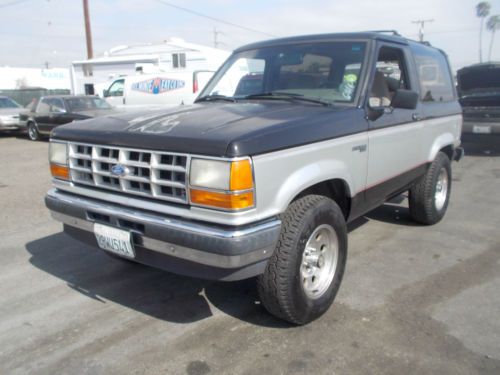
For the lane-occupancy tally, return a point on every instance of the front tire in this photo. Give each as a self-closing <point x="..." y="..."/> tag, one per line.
<point x="429" y="197"/>
<point x="33" y="132"/>
<point x="304" y="274"/>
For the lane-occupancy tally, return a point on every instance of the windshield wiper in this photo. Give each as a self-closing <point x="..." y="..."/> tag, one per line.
<point x="214" y="97"/>
<point x="287" y="95"/>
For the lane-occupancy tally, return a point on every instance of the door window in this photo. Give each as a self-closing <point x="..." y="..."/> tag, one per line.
<point x="57" y="105"/>
<point x="116" y="88"/>
<point x="44" y="106"/>
<point x="390" y="76"/>
<point x="179" y="60"/>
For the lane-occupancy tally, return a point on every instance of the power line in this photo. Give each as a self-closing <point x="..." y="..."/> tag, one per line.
<point x="214" y="18"/>
<point x="8" y="4"/>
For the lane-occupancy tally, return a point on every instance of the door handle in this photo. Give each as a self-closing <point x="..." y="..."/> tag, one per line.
<point x="417" y="117"/>
<point x="360" y="148"/>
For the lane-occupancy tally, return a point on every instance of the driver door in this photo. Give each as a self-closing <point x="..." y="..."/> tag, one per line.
<point x="395" y="154"/>
<point x="115" y="94"/>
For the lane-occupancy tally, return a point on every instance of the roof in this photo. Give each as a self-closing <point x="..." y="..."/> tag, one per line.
<point x="367" y="35"/>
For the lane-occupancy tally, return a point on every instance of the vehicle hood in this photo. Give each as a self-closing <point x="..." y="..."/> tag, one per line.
<point x="479" y="85"/>
<point x="481" y="99"/>
<point x="219" y="129"/>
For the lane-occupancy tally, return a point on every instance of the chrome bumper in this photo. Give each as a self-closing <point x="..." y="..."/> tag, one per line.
<point x="231" y="252"/>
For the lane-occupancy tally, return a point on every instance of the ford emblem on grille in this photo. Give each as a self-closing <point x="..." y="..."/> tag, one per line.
<point x="119" y="170"/>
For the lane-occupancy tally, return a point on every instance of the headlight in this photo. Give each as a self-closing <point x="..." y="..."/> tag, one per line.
<point x="58" y="158"/>
<point x="58" y="153"/>
<point x="212" y="174"/>
<point x="222" y="184"/>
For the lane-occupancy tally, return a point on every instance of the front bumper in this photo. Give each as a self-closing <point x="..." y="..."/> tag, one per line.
<point x="173" y="244"/>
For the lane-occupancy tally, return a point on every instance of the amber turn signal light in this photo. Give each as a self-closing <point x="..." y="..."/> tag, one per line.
<point x="226" y="201"/>
<point x="59" y="171"/>
<point x="241" y="175"/>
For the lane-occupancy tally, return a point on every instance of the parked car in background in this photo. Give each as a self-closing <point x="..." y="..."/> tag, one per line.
<point x="51" y="111"/>
<point x="159" y="89"/>
<point x="9" y="114"/>
<point x="479" y="90"/>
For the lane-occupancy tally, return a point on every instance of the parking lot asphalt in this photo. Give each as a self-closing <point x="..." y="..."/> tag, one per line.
<point x="414" y="299"/>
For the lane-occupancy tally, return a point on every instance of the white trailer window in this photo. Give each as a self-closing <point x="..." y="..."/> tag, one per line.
<point x="179" y="60"/>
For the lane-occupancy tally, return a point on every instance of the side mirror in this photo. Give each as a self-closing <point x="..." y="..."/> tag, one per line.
<point x="105" y="93"/>
<point x="405" y="99"/>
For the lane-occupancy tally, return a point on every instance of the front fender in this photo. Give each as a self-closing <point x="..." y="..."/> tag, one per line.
<point x="310" y="175"/>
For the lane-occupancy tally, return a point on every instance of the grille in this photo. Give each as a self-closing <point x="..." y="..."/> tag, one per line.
<point x="149" y="174"/>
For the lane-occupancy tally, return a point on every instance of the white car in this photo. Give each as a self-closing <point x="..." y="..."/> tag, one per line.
<point x="9" y="114"/>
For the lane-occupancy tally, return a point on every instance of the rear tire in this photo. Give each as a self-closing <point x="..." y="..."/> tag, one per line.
<point x="33" y="132"/>
<point x="304" y="274"/>
<point x="429" y="197"/>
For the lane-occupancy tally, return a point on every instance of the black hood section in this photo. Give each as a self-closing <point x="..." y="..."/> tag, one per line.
<point x="219" y="129"/>
<point x="491" y="99"/>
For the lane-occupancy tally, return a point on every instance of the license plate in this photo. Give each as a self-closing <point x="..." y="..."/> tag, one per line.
<point x="478" y="129"/>
<point x="115" y="240"/>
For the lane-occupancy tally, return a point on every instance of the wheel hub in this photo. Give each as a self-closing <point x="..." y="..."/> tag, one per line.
<point x="319" y="261"/>
<point x="441" y="192"/>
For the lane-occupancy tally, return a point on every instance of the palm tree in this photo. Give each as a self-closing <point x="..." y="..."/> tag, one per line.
<point x="482" y="11"/>
<point x="492" y="25"/>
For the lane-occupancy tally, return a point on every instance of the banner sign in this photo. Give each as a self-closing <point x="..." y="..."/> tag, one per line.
<point x="158" y="85"/>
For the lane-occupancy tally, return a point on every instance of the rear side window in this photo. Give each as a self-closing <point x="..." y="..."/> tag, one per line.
<point x="434" y="75"/>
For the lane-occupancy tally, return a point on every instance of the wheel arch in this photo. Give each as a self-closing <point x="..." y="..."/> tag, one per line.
<point x="336" y="188"/>
<point x="445" y="143"/>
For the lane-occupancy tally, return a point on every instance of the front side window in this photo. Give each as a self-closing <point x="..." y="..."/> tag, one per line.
<point x="116" y="88"/>
<point x="390" y="76"/>
<point x="434" y="75"/>
<point x="86" y="103"/>
<point x="57" y="105"/>
<point x="44" y="106"/>
<point x="329" y="72"/>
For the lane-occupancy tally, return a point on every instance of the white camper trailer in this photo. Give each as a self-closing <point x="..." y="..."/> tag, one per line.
<point x="169" y="61"/>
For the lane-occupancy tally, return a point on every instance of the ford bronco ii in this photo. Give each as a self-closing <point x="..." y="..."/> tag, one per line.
<point x="290" y="140"/>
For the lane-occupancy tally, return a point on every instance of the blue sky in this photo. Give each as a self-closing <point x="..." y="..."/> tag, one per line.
<point x="35" y="31"/>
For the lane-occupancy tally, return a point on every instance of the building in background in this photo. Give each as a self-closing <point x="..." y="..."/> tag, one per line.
<point x="26" y="84"/>
<point x="21" y="78"/>
<point x="94" y="75"/>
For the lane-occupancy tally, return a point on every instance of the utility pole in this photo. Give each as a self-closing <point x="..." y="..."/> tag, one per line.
<point x="88" y="32"/>
<point x="421" y="24"/>
<point x="216" y="35"/>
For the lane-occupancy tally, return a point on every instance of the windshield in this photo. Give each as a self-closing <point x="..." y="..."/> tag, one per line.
<point x="328" y="72"/>
<point x="8" y="103"/>
<point x="86" y="104"/>
<point x="487" y="79"/>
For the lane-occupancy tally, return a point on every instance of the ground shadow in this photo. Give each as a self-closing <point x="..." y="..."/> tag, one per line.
<point x="485" y="145"/>
<point x="160" y="294"/>
<point x="394" y="211"/>
<point x="157" y="293"/>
